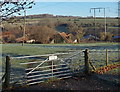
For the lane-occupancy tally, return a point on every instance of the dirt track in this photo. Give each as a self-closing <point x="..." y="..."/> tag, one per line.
<point x="76" y="83"/>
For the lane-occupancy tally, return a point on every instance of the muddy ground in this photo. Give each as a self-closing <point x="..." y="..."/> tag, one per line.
<point x="79" y="83"/>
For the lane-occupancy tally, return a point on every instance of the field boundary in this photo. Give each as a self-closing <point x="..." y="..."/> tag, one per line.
<point x="35" y="73"/>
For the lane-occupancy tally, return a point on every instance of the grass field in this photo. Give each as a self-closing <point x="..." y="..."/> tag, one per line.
<point x="35" y="49"/>
<point x="74" y="19"/>
<point x="38" y="49"/>
<point x="68" y="20"/>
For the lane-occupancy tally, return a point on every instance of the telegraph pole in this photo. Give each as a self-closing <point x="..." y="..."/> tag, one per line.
<point x="94" y="15"/>
<point x="105" y="20"/>
<point x="24" y="28"/>
<point x="94" y="9"/>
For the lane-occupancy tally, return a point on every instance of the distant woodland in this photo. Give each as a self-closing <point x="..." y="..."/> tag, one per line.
<point x="47" y="28"/>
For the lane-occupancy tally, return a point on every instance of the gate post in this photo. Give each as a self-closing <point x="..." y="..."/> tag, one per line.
<point x="86" y="57"/>
<point x="7" y="72"/>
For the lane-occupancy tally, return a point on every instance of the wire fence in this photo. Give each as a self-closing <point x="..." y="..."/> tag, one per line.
<point x="100" y="57"/>
<point x="68" y="63"/>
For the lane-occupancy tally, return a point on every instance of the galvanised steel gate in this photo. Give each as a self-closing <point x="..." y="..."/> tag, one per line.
<point x="40" y="68"/>
<point x="28" y="70"/>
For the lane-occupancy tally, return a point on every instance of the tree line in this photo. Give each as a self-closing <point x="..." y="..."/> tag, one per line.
<point x="44" y="32"/>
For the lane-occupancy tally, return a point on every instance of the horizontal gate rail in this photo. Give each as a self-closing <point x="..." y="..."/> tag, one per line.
<point x="35" y="67"/>
<point x="36" y="62"/>
<point x="47" y="70"/>
<point x="45" y="66"/>
<point x="47" y="74"/>
<point x="48" y="77"/>
<point x="35" y="82"/>
<point x="36" y="70"/>
<point x="40" y="65"/>
<point x="22" y="57"/>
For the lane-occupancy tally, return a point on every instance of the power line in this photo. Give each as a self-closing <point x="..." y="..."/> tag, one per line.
<point x="99" y="9"/>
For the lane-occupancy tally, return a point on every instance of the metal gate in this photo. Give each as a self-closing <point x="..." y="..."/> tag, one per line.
<point x="28" y="70"/>
<point x="41" y="68"/>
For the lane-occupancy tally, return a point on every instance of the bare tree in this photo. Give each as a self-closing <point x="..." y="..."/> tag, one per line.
<point x="41" y="34"/>
<point x="76" y="31"/>
<point x="107" y="37"/>
<point x="9" y="7"/>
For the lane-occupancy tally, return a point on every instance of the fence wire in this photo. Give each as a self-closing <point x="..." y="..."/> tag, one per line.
<point x="73" y="60"/>
<point x="98" y="57"/>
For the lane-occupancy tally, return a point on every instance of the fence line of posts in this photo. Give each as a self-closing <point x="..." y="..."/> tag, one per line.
<point x="87" y="64"/>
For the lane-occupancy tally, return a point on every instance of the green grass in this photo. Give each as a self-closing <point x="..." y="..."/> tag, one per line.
<point x="72" y="20"/>
<point x="82" y="44"/>
<point x="18" y="49"/>
<point x="40" y="49"/>
<point x="36" y="49"/>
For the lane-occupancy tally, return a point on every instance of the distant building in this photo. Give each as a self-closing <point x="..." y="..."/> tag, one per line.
<point x="116" y="38"/>
<point x="61" y="38"/>
<point x="30" y="41"/>
<point x="75" y="41"/>
<point x="90" y="37"/>
<point x="21" y="39"/>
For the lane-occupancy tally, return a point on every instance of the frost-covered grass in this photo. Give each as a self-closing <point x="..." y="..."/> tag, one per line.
<point x="38" y="49"/>
<point x="18" y="49"/>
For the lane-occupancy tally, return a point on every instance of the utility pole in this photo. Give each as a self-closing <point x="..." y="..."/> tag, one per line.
<point x="94" y="15"/>
<point x="24" y="28"/>
<point x="94" y="9"/>
<point x="105" y="20"/>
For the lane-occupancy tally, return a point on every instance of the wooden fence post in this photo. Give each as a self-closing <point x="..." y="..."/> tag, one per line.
<point x="92" y="66"/>
<point x="106" y="57"/>
<point x="7" y="72"/>
<point x="86" y="56"/>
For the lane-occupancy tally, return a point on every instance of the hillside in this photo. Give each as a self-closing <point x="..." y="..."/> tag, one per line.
<point x="67" y="24"/>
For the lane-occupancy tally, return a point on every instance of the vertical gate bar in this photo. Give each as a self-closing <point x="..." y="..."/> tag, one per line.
<point x="52" y="70"/>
